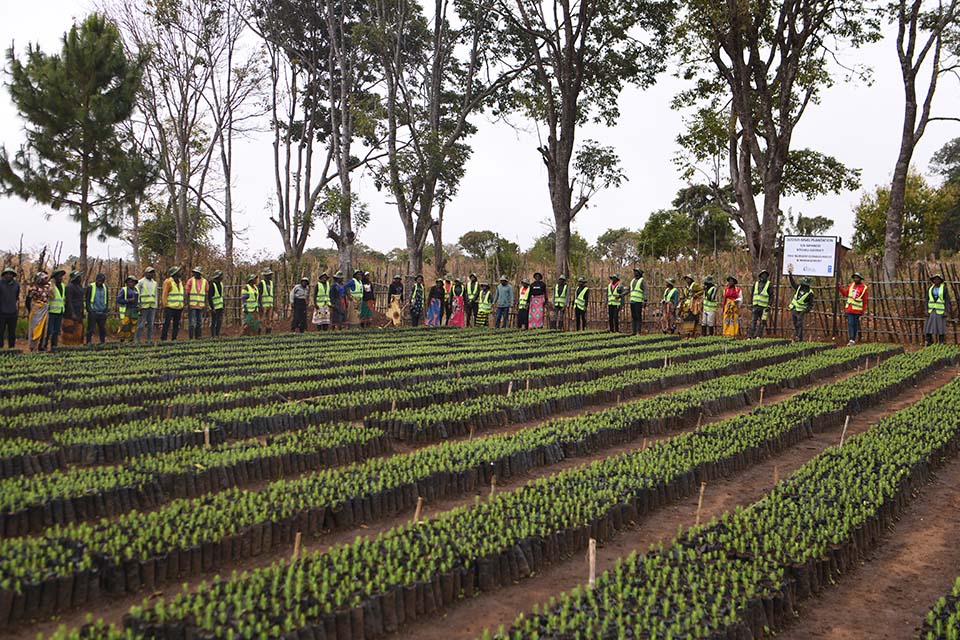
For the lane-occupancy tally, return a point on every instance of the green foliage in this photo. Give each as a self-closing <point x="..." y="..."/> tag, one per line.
<point x="620" y="246"/>
<point x="158" y="231"/>
<point x="545" y="247"/>
<point x="946" y="161"/>
<point x="807" y="225"/>
<point x="666" y="234"/>
<point x="925" y="208"/>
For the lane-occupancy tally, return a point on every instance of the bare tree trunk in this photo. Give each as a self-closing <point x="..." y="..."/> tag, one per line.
<point x="439" y="259"/>
<point x="894" y="218"/>
<point x="84" y="216"/>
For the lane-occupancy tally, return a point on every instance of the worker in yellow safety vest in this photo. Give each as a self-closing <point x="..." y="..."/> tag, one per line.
<point x="580" y="299"/>
<point x="196" y="292"/>
<point x="265" y="291"/>
<point x="322" y="302"/>
<point x="801" y="303"/>
<point x="147" y="298"/>
<point x="559" y="303"/>
<point x="638" y="298"/>
<point x="708" y="323"/>
<point x="250" y="301"/>
<point x="938" y="310"/>
<point x="856" y="293"/>
<point x="523" y="305"/>
<point x="215" y="301"/>
<point x="172" y="298"/>
<point x="472" y="307"/>
<point x="484" y="304"/>
<point x="760" y="304"/>
<point x="615" y="294"/>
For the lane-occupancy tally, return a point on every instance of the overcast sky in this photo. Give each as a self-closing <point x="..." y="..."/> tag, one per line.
<point x="504" y="189"/>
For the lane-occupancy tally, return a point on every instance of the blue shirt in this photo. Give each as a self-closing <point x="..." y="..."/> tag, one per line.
<point x="99" y="304"/>
<point x="504" y="295"/>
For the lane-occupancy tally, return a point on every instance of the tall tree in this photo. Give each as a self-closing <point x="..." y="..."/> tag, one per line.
<point x="757" y="67"/>
<point x="620" y="246"/>
<point x="75" y="104"/>
<point x="583" y="54"/>
<point x="927" y="39"/>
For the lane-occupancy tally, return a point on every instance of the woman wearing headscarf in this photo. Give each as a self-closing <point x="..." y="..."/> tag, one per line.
<point x="457" y="302"/>
<point x="538" y="301"/>
<point x="938" y="309"/>
<point x="38" y="310"/>
<point x="435" y="304"/>
<point x="732" y="299"/>
<point x="367" y="301"/>
<point x="416" y="301"/>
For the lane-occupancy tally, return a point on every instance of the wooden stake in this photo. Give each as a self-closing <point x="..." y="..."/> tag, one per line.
<point x="618" y="398"/>
<point x="206" y="437"/>
<point x="296" y="545"/>
<point x="703" y="487"/>
<point x="416" y="514"/>
<point x="471" y="433"/>
<point x="644" y="446"/>
<point x="762" y="389"/>
<point x="393" y="405"/>
<point x="665" y="361"/>
<point x="510" y="388"/>
<point x="843" y="434"/>
<point x="699" y="419"/>
<point x="776" y="474"/>
<point x="493" y="485"/>
<point x="528" y="384"/>
<point x="592" y="562"/>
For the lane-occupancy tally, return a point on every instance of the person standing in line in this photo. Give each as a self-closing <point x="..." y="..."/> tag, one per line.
<point x="73" y="320"/>
<point x="249" y="300"/>
<point x="457" y="303"/>
<point x="668" y="306"/>
<point x="503" y="300"/>
<point x="447" y="286"/>
<point x="416" y="301"/>
<point x="215" y="301"/>
<point x="265" y="291"/>
<point x="708" y="324"/>
<point x="395" y="290"/>
<point x="732" y="299"/>
<point x="321" y="303"/>
<point x="938" y="310"/>
<point x="354" y="289"/>
<point x="580" y="303"/>
<point x="9" y="306"/>
<point x="470" y="303"/>
<point x="58" y="306"/>
<point x="128" y="302"/>
<point x="559" y="302"/>
<point x="147" y="295"/>
<point x="484" y="305"/>
<point x="338" y="302"/>
<point x="538" y="301"/>
<point x="856" y="293"/>
<point x="171" y="297"/>
<point x="615" y="293"/>
<point x="692" y="306"/>
<point x="760" y="304"/>
<point x="800" y="305"/>
<point x="298" y="305"/>
<point x="96" y="296"/>
<point x="638" y="297"/>
<point x="523" y="305"/>
<point x="196" y="293"/>
<point x="38" y="310"/>
<point x="367" y="302"/>
<point x="436" y="300"/>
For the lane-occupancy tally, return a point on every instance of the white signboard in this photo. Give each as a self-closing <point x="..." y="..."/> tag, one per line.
<point x="810" y="255"/>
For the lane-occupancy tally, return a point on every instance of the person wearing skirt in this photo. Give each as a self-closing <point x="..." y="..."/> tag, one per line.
<point x="457" y="304"/>
<point x="938" y="309"/>
<point x="538" y="301"/>
<point x="484" y="304"/>
<point x="732" y="299"/>
<point x="435" y="304"/>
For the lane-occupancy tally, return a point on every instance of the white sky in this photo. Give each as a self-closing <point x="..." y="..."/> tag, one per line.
<point x="504" y="189"/>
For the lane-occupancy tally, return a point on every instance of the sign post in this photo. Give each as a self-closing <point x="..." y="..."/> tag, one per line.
<point x="810" y="255"/>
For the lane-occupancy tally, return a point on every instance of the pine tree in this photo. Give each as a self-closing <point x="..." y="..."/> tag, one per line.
<point x="79" y="153"/>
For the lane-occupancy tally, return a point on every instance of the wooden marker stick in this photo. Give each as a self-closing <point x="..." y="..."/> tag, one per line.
<point x="510" y="388"/>
<point x="843" y="434"/>
<point x="416" y="514"/>
<point x="296" y="545"/>
<point x="493" y="485"/>
<point x="592" y="562"/>
<point x="762" y="389"/>
<point x="776" y="474"/>
<point x="703" y="487"/>
<point x="206" y="437"/>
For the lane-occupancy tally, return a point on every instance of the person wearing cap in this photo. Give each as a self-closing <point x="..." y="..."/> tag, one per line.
<point x="615" y="294"/>
<point x="691" y="307"/>
<point x="559" y="302"/>
<point x="147" y="297"/>
<point x="638" y="297"/>
<point x="580" y="299"/>
<point x="732" y="299"/>
<point x="473" y="292"/>
<point x="322" y="302"/>
<point x="708" y="320"/>
<point x="250" y="302"/>
<point x="457" y="303"/>
<point x="538" y="301"/>
<point x="215" y="301"/>
<point x="95" y="298"/>
<point x="58" y="306"/>
<point x="669" y="304"/>
<point x="436" y="300"/>
<point x="298" y="305"/>
<point x="38" y="311"/>
<point x="172" y="299"/>
<point x="503" y="301"/>
<point x="523" y="304"/>
<point x="801" y="303"/>
<point x="416" y="301"/>
<point x="73" y="316"/>
<point x="856" y="293"/>
<point x="266" y="291"/>
<point x="447" y="286"/>
<point x="760" y="304"/>
<point x="938" y="309"/>
<point x="9" y="305"/>
<point x="128" y="302"/>
<point x="354" y="288"/>
<point x="484" y="305"/>
<point x="195" y="293"/>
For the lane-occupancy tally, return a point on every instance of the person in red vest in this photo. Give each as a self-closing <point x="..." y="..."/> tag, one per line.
<point x="856" y="293"/>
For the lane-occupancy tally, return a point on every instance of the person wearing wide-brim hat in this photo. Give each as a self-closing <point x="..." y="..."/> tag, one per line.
<point x="418" y="299"/>
<point x="57" y="299"/>
<point x="523" y="304"/>
<point x="299" y="296"/>
<point x="250" y="303"/>
<point x="760" y="304"/>
<point x="638" y="299"/>
<point x="800" y="304"/>
<point x="472" y="293"/>
<point x="580" y="299"/>
<point x="322" y="301"/>
<point x="9" y="305"/>
<point x="938" y="310"/>
<point x="338" y="302"/>
<point x="147" y="299"/>
<point x="72" y="330"/>
<point x="367" y="301"/>
<point x="502" y="302"/>
<point x="456" y="302"/>
<point x="708" y="318"/>
<point x="395" y="301"/>
<point x="615" y="294"/>
<point x="96" y="298"/>
<point x="38" y="311"/>
<point x="197" y="293"/>
<point x="560" y="297"/>
<point x="173" y="300"/>
<point x="128" y="307"/>
<point x="266" y="290"/>
<point x="856" y="294"/>
<point x="484" y="305"/>
<point x="691" y="307"/>
<point x="354" y="298"/>
<point x="215" y="301"/>
<point x="669" y="303"/>
<point x="436" y="299"/>
<point x="732" y="299"/>
<point x="539" y="301"/>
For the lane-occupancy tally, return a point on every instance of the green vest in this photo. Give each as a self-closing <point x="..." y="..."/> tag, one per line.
<point x="935" y="304"/>
<point x="175" y="295"/>
<point x="613" y="295"/>
<point x="523" y="300"/>
<point x="800" y="302"/>
<point x="668" y="293"/>
<point x="581" y="300"/>
<point x="636" y="290"/>
<point x="250" y="304"/>
<point x="148" y="293"/>
<point x="710" y="299"/>
<point x="559" y="296"/>
<point x="484" y="302"/>
<point x="122" y="308"/>
<point x="216" y="295"/>
<point x="56" y="299"/>
<point x="266" y="300"/>
<point x="472" y="290"/>
<point x="761" y="297"/>
<point x="357" y="291"/>
<point x="322" y="295"/>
